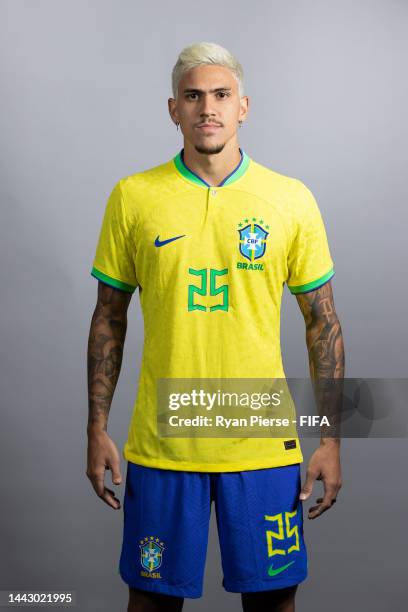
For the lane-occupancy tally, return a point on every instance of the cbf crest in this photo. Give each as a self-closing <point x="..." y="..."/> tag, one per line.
<point x="151" y="553"/>
<point x="252" y="238"/>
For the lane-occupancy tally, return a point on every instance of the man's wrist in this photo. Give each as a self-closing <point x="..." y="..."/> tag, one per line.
<point x="329" y="441"/>
<point x="94" y="429"/>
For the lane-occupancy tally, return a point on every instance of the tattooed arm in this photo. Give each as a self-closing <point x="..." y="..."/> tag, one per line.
<point x="323" y="333"/>
<point x="105" y="350"/>
<point x="326" y="362"/>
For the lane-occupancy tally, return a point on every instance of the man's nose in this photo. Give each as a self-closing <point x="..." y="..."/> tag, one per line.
<point x="206" y="107"/>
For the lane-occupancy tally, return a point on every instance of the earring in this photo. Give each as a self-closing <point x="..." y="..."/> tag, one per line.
<point x="177" y="125"/>
<point x="240" y="123"/>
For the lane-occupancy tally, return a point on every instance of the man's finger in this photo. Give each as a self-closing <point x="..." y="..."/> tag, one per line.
<point x="116" y="475"/>
<point x="330" y="493"/>
<point x="308" y="486"/>
<point x="98" y="483"/>
<point x="108" y="496"/>
<point x="315" y="511"/>
<point x="324" y="503"/>
<point x="320" y="499"/>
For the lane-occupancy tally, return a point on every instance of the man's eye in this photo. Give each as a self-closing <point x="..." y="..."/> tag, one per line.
<point x="223" y="94"/>
<point x="190" y="96"/>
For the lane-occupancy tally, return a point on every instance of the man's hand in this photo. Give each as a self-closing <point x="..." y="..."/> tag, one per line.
<point x="105" y="350"/>
<point x="324" y="465"/>
<point x="103" y="455"/>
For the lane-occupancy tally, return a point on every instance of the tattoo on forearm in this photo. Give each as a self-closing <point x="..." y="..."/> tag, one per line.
<point x="323" y="333"/>
<point x="326" y="355"/>
<point x="105" y="351"/>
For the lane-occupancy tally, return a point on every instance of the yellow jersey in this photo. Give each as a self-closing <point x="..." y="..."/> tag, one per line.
<point x="210" y="264"/>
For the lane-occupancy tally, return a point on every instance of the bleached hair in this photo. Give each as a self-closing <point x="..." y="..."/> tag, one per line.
<point x="205" y="53"/>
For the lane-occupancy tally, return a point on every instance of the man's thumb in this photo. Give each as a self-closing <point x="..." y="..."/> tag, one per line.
<point x="307" y="488"/>
<point x="116" y="475"/>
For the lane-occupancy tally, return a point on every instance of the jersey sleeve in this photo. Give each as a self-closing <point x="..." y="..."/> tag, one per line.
<point x="309" y="262"/>
<point x="114" y="262"/>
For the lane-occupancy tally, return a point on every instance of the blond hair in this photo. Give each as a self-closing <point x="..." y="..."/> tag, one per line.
<point x="205" y="53"/>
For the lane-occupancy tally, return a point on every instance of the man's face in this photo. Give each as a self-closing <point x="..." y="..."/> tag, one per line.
<point x="208" y="107"/>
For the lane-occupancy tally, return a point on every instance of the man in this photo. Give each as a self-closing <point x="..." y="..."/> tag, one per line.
<point x="209" y="238"/>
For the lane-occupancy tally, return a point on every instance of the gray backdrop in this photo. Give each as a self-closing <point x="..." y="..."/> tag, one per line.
<point x="84" y="102"/>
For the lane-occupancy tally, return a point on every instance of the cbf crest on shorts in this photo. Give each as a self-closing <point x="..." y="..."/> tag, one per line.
<point x="151" y="553"/>
<point x="252" y="239"/>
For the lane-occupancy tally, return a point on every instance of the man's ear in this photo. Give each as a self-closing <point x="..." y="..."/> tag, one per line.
<point x="172" y="110"/>
<point x="244" y="108"/>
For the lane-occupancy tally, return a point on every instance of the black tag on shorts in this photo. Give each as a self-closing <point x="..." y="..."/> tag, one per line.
<point x="290" y="444"/>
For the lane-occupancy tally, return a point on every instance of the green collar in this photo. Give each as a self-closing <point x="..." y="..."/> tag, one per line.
<point x="197" y="180"/>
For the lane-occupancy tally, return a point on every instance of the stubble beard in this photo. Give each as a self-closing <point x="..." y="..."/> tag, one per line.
<point x="209" y="149"/>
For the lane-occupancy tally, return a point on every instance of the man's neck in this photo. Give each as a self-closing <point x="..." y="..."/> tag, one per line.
<point x="212" y="168"/>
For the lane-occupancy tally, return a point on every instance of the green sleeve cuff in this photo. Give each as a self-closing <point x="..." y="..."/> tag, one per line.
<point x="313" y="285"/>
<point x="113" y="282"/>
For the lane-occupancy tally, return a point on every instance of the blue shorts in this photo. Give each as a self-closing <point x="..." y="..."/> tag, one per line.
<point x="166" y="522"/>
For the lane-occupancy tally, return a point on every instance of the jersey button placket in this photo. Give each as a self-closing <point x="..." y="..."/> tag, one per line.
<point x="211" y="193"/>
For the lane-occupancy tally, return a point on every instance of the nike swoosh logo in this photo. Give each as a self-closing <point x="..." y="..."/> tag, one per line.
<point x="278" y="570"/>
<point x="160" y="243"/>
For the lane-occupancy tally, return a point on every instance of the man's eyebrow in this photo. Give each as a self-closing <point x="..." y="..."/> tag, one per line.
<point x="210" y="91"/>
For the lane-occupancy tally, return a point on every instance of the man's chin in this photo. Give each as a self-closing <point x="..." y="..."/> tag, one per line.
<point x="207" y="149"/>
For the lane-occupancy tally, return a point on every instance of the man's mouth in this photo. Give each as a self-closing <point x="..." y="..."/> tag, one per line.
<point x="208" y="127"/>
